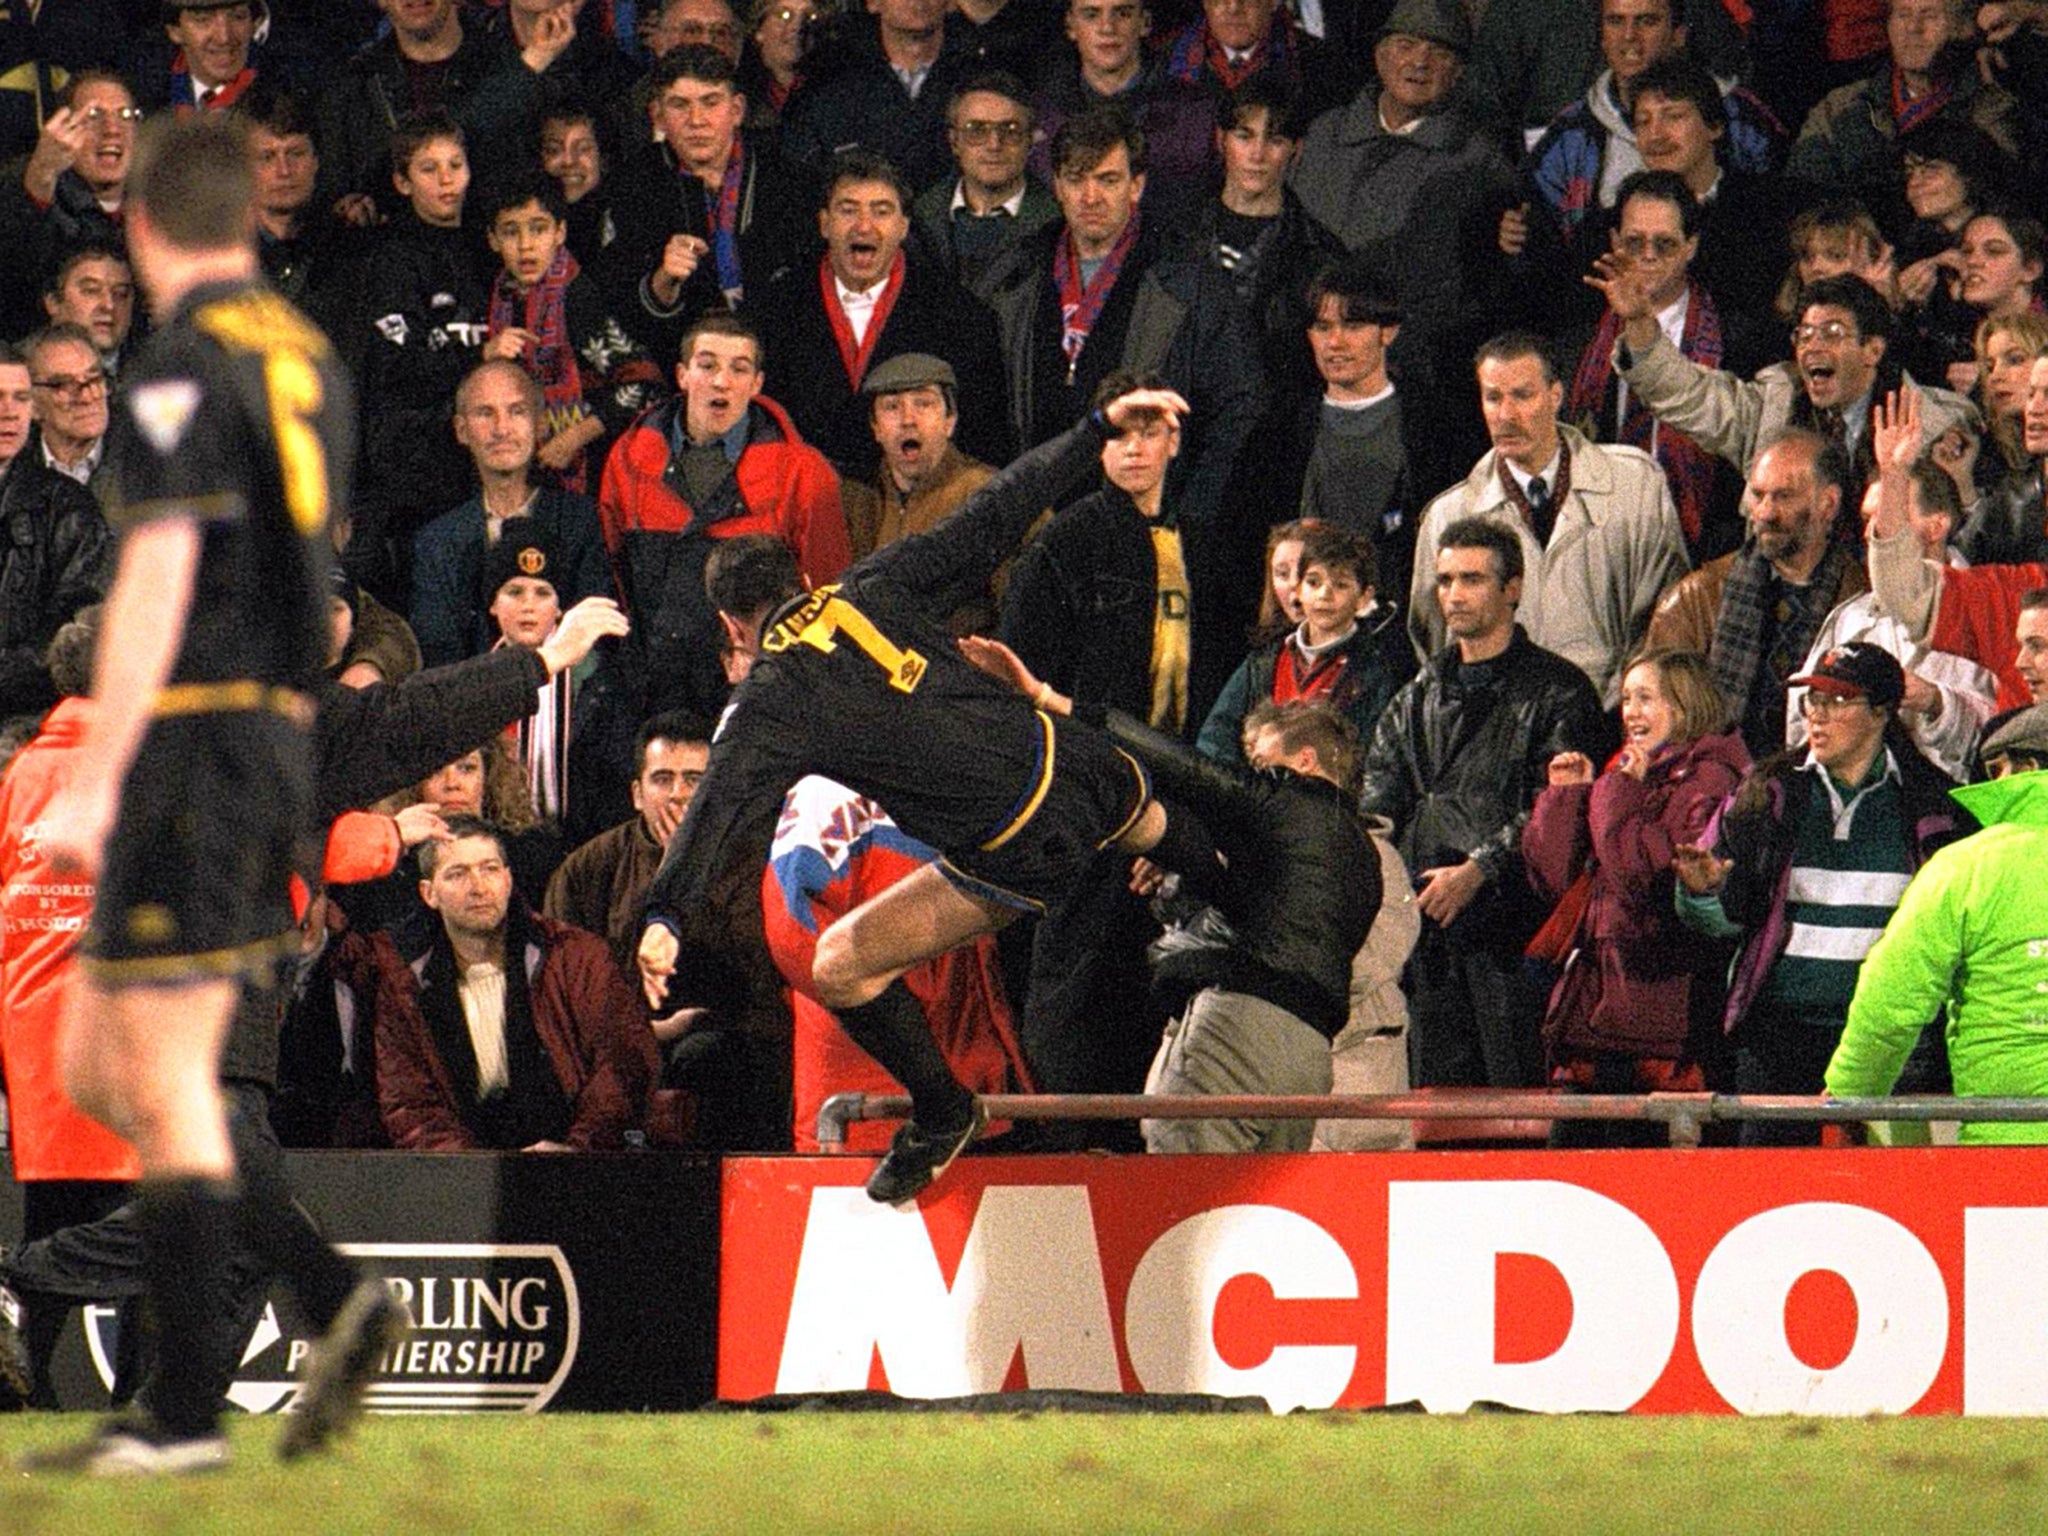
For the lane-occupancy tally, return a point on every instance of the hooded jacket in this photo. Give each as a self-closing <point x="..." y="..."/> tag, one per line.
<point x="1966" y="937"/>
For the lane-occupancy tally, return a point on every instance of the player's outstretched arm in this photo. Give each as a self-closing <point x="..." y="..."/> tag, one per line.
<point x="954" y="562"/>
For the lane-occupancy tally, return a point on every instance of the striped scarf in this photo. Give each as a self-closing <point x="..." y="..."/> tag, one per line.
<point x="725" y="224"/>
<point x="1910" y="114"/>
<point x="1689" y="467"/>
<point x="1081" y="306"/>
<point x="544" y="310"/>
<point x="1738" y="658"/>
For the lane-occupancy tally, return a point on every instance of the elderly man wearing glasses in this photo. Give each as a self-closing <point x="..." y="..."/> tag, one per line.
<point x="68" y="399"/>
<point x="55" y="551"/>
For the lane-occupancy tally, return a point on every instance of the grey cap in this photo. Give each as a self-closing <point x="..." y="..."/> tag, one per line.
<point x="1436" y="21"/>
<point x="2026" y="731"/>
<point x="909" y="370"/>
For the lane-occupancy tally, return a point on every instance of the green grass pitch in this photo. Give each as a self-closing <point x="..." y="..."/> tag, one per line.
<point x="872" y="1473"/>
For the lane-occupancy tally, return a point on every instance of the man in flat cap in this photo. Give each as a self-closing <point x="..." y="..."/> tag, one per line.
<point x="1405" y="169"/>
<point x="913" y="403"/>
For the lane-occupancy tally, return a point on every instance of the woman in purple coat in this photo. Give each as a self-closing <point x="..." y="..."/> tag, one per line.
<point x="1639" y="995"/>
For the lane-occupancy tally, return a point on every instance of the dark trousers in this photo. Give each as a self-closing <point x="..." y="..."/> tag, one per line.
<point x="1088" y="1024"/>
<point x="101" y="1261"/>
<point x="1780" y="1051"/>
<point x="1473" y="1015"/>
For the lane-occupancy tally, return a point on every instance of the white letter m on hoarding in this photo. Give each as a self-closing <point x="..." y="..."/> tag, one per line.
<point x="1030" y="1279"/>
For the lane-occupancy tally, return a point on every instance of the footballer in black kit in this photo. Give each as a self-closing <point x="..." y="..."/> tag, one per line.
<point x="238" y="414"/>
<point x="861" y="682"/>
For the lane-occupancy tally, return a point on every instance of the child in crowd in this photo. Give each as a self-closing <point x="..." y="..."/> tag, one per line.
<point x="1347" y="647"/>
<point x="428" y="301"/>
<point x="550" y="318"/>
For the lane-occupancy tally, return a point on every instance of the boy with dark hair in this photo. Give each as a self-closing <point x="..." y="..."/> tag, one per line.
<point x="1349" y="649"/>
<point x="549" y="318"/>
<point x="427" y="299"/>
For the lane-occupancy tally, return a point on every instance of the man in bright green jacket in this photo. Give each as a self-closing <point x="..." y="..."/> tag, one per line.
<point x="1971" y="935"/>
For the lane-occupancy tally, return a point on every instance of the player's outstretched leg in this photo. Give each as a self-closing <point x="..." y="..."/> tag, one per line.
<point x="371" y="1324"/>
<point x="857" y="970"/>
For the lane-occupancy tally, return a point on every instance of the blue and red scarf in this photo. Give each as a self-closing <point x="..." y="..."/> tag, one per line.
<point x="1689" y="467"/>
<point x="185" y="91"/>
<point x="544" y="310"/>
<point x="1195" y="50"/>
<point x="725" y="224"/>
<point x="1910" y="113"/>
<point x="1081" y="306"/>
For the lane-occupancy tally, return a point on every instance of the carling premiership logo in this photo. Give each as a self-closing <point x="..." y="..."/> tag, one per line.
<point x="495" y="1329"/>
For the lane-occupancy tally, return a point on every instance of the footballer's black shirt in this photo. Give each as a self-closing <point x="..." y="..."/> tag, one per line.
<point x="861" y="682"/>
<point x="238" y="414"/>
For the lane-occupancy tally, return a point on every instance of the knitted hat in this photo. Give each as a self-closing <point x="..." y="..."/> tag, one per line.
<point x="518" y="552"/>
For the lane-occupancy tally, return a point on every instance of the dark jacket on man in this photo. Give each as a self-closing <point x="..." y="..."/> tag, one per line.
<point x="1171" y="314"/>
<point x="651" y="199"/>
<point x="2009" y="524"/>
<point x="451" y="611"/>
<point x="484" y="84"/>
<point x="932" y="314"/>
<point x="1457" y="761"/>
<point x="1301" y="884"/>
<point x="56" y="557"/>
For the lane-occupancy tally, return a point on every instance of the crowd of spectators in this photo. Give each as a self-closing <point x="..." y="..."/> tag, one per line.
<point x="1627" y="417"/>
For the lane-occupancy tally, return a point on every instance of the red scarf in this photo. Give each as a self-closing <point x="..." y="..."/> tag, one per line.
<point x="544" y="310"/>
<point x="1081" y="307"/>
<point x="855" y="357"/>
<point x="225" y="96"/>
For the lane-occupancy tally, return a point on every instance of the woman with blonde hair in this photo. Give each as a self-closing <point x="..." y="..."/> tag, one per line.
<point x="2006" y="347"/>
<point x="1637" y="1003"/>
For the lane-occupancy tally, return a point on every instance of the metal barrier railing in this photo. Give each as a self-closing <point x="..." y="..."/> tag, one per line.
<point x="1684" y="1114"/>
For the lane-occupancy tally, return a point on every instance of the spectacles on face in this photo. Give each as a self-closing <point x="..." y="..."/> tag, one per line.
<point x="790" y="16"/>
<point x="706" y="32"/>
<point x="1663" y="247"/>
<point x="1830" y="331"/>
<point x="98" y="117"/>
<point x="72" y="388"/>
<point x="1825" y="706"/>
<point x="976" y="131"/>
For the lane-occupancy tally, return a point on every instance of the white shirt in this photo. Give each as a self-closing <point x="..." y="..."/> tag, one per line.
<point x="82" y="470"/>
<point x="1549" y="473"/>
<point x="482" y="990"/>
<point x="1012" y="205"/>
<point x="859" y="308"/>
<point x="1360" y="405"/>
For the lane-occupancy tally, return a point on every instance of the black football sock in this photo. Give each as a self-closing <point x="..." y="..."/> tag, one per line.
<point x="892" y="1029"/>
<point x="187" y="1226"/>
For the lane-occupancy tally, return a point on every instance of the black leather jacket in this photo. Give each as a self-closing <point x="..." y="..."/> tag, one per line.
<point x="56" y="556"/>
<point x="1302" y="883"/>
<point x="2009" y="524"/>
<point x="1458" y="759"/>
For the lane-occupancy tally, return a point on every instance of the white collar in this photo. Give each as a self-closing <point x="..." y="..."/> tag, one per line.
<point x="1012" y="205"/>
